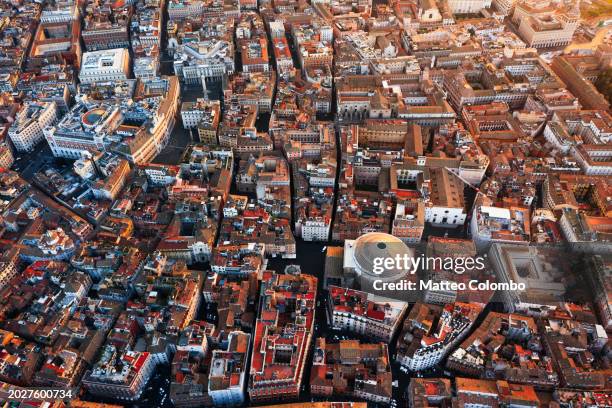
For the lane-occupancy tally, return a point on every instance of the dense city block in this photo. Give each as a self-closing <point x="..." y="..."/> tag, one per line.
<point x="306" y="203"/>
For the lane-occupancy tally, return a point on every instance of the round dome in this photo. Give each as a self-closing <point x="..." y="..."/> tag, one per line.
<point x="90" y="118"/>
<point x="379" y="245"/>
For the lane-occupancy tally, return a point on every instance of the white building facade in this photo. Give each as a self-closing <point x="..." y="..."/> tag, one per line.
<point x="27" y="130"/>
<point x="105" y="65"/>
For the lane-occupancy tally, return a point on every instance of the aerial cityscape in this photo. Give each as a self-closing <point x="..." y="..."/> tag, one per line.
<point x="306" y="203"/>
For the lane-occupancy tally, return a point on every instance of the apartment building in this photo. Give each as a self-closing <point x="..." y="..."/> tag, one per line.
<point x="122" y="374"/>
<point x="468" y="6"/>
<point x="228" y="369"/>
<point x="364" y="314"/>
<point x="106" y="65"/>
<point x="30" y="122"/>
<point x="282" y="337"/>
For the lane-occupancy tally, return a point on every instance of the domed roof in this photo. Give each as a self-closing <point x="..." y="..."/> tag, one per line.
<point x="91" y="117"/>
<point x="379" y="245"/>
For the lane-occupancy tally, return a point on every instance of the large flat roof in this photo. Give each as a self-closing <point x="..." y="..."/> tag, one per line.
<point x="112" y="58"/>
